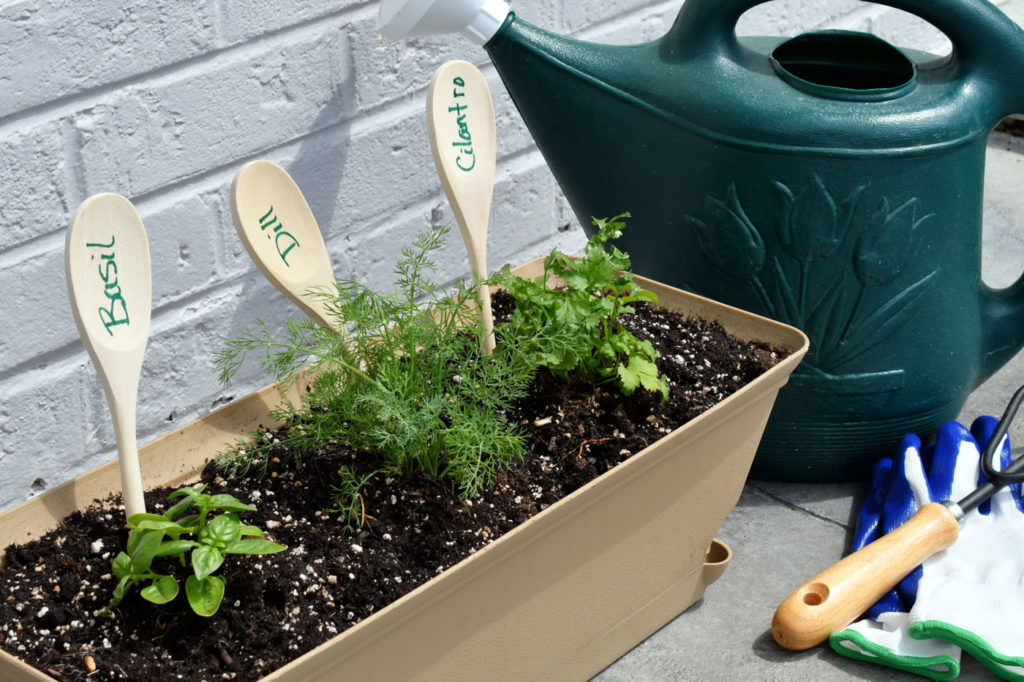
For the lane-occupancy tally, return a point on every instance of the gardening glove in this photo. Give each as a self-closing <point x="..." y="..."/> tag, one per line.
<point x="899" y="487"/>
<point x="972" y="594"/>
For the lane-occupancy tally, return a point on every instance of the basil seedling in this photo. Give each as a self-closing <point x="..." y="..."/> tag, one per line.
<point x="200" y="540"/>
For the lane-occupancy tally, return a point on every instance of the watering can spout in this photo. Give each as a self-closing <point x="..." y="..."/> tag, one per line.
<point x="478" y="20"/>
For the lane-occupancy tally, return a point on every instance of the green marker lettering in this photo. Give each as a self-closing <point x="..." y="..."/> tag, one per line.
<point x="284" y="241"/>
<point x="101" y="246"/>
<point x="116" y="311"/>
<point x="465" y="159"/>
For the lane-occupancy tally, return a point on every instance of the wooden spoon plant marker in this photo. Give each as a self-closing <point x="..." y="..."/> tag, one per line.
<point x="281" y="235"/>
<point x="460" y="120"/>
<point x="106" y="257"/>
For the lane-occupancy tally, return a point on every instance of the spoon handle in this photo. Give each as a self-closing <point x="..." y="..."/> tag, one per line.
<point x="834" y="598"/>
<point x="128" y="457"/>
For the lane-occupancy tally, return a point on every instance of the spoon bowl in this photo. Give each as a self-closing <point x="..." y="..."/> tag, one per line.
<point x="281" y="235"/>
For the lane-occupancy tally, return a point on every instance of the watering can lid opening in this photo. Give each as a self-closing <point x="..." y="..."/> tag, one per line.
<point x="844" y="65"/>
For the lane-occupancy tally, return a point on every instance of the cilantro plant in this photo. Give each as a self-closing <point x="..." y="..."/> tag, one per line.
<point x="407" y="384"/>
<point x="199" y="540"/>
<point x="598" y="289"/>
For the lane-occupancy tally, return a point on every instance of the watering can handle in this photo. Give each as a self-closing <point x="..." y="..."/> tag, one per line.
<point x="1002" y="310"/>
<point x="973" y="26"/>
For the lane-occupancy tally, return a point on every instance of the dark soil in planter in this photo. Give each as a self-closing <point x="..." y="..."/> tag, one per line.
<point x="277" y="607"/>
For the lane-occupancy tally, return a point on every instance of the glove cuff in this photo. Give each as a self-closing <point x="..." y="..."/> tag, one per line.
<point x="981" y="619"/>
<point x="888" y="644"/>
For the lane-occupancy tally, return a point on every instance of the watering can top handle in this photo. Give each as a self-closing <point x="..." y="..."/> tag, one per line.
<point x="982" y="36"/>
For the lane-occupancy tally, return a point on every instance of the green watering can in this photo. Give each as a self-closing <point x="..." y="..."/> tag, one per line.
<point x="830" y="181"/>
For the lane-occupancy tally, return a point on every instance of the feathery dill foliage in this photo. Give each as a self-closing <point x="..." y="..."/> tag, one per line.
<point x="407" y="384"/>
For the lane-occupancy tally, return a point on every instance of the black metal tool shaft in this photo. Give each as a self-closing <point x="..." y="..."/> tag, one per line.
<point x="996" y="477"/>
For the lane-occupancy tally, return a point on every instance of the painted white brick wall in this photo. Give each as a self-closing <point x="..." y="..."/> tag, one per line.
<point x="163" y="101"/>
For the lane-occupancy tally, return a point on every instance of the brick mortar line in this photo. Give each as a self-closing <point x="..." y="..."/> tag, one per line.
<point x="623" y="19"/>
<point x="219" y="178"/>
<point x="522" y="161"/>
<point x="67" y="105"/>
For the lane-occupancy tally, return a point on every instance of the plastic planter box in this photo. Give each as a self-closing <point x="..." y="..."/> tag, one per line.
<point x="561" y="596"/>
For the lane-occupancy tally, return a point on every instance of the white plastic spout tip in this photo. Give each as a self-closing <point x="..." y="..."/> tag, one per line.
<point x="478" y="20"/>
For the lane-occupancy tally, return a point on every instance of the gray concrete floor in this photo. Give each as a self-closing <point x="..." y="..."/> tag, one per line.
<point x="782" y="534"/>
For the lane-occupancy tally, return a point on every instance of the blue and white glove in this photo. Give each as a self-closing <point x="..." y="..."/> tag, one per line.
<point x="972" y="594"/>
<point x="967" y="596"/>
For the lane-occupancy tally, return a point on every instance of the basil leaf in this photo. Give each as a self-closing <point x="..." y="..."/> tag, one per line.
<point x="229" y="503"/>
<point x="135" y="519"/>
<point x="122" y="566"/>
<point x="145" y="550"/>
<point x="187" y="491"/>
<point x="205" y="596"/>
<point x="161" y="523"/>
<point x="133" y="542"/>
<point x="190" y="522"/>
<point x="162" y="590"/>
<point x="254" y="546"/>
<point x="173" y="547"/>
<point x="122" y="589"/>
<point x="180" y="508"/>
<point x="206" y="560"/>
<point x="224" y="529"/>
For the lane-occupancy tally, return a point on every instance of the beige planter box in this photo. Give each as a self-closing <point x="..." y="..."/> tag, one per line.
<point x="561" y="596"/>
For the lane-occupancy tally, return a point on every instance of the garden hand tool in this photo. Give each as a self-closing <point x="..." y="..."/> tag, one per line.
<point x="106" y="257"/>
<point x="460" y="119"/>
<point x="955" y="598"/>
<point x="281" y="235"/>
<point x="898" y="489"/>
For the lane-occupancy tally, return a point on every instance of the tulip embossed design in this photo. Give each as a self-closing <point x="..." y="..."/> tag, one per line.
<point x="731" y="241"/>
<point x="811" y="228"/>
<point x="806" y="281"/>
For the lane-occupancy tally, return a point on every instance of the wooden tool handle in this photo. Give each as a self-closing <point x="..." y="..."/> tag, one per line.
<point x="835" y="597"/>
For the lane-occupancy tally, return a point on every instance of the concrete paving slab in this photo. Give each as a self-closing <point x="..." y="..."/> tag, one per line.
<point x="726" y="635"/>
<point x="784" y="533"/>
<point x="831" y="501"/>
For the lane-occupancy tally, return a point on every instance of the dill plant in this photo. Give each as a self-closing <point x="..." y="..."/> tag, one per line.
<point x="407" y="385"/>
